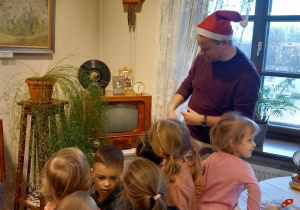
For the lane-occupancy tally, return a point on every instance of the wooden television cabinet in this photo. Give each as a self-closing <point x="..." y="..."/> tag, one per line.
<point x="142" y="103"/>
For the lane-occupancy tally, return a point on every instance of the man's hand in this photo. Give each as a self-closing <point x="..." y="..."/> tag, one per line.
<point x="191" y="117"/>
<point x="176" y="101"/>
<point x="172" y="114"/>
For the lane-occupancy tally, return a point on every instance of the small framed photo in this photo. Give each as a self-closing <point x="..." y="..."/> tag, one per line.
<point x="119" y="85"/>
<point x="127" y="74"/>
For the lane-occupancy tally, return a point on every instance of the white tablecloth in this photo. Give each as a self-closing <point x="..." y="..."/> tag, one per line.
<point x="274" y="190"/>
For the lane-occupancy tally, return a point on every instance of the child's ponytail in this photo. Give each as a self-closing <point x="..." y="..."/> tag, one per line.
<point x="166" y="138"/>
<point x="171" y="169"/>
<point x="197" y="164"/>
<point x="144" y="185"/>
<point x="157" y="203"/>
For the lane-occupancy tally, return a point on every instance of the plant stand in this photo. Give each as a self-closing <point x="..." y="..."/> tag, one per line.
<point x="46" y="123"/>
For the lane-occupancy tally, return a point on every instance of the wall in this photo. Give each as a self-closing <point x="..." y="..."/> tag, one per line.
<point x="116" y="40"/>
<point x="77" y="30"/>
<point x="97" y="29"/>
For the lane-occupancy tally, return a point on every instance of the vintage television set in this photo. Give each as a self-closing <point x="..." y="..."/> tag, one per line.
<point x="129" y="116"/>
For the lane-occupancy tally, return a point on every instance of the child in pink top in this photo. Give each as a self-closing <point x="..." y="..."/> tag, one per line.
<point x="166" y="139"/>
<point x="65" y="172"/>
<point x="225" y="172"/>
<point x="193" y="159"/>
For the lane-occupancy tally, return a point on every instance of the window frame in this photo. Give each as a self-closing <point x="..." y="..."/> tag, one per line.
<point x="261" y="21"/>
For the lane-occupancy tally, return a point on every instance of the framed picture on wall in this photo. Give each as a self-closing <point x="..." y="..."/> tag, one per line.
<point x="27" y="27"/>
<point x="127" y="74"/>
<point x="119" y="85"/>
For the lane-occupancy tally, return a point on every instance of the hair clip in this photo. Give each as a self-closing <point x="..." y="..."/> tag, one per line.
<point x="156" y="197"/>
<point x="158" y="127"/>
<point x="144" y="145"/>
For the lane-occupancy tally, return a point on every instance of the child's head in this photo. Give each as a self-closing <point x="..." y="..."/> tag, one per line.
<point x="166" y="139"/>
<point x="234" y="134"/>
<point x="65" y="172"/>
<point x="144" y="184"/>
<point x="186" y="137"/>
<point x="78" y="200"/>
<point x="188" y="150"/>
<point x="107" y="168"/>
<point x="144" y="149"/>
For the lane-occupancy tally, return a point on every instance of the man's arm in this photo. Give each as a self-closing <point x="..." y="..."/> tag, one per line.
<point x="193" y="118"/>
<point x="175" y="102"/>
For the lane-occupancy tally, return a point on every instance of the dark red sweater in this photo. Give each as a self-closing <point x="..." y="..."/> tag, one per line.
<point x="219" y="87"/>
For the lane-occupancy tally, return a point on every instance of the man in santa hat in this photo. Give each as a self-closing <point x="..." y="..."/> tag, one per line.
<point x="221" y="79"/>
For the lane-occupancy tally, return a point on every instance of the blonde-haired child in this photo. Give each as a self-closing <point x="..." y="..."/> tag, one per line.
<point x="144" y="186"/>
<point x="192" y="157"/>
<point x="65" y="172"/>
<point x="78" y="200"/>
<point x="166" y="139"/>
<point x="225" y="172"/>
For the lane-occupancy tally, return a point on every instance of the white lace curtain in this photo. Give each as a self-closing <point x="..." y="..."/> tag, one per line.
<point x="178" y="46"/>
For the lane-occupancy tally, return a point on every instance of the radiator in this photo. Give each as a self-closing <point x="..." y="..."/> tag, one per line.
<point x="263" y="172"/>
<point x="265" y="168"/>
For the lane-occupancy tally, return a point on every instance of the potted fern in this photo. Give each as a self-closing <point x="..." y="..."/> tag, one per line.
<point x="271" y="104"/>
<point x="84" y="113"/>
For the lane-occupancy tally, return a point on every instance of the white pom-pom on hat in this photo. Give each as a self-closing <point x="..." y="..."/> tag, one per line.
<point x="244" y="23"/>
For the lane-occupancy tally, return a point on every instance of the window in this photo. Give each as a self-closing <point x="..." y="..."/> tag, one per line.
<point x="277" y="28"/>
<point x="272" y="41"/>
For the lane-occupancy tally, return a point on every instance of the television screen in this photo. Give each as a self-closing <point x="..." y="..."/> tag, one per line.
<point x="122" y="117"/>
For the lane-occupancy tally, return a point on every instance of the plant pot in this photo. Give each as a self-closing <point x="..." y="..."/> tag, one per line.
<point x="260" y="137"/>
<point x="39" y="91"/>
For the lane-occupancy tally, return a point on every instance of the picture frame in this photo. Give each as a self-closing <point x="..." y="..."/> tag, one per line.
<point x="37" y="37"/>
<point x="119" y="85"/>
<point x="128" y="78"/>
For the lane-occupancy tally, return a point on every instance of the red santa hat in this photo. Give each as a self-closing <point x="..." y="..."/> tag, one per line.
<point x="217" y="25"/>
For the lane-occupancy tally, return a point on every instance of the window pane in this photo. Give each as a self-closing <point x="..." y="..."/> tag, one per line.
<point x="291" y="88"/>
<point x="242" y="37"/>
<point x="283" y="47"/>
<point x="240" y="6"/>
<point x="286" y="7"/>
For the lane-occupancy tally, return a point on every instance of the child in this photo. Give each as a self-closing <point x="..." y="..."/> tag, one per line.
<point x="107" y="168"/>
<point x="78" y="200"/>
<point x="193" y="159"/>
<point x="144" y="149"/>
<point x="144" y="186"/>
<point x="225" y="172"/>
<point x="65" y="172"/>
<point x="166" y="139"/>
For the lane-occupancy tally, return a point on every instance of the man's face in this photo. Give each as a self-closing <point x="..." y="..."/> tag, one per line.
<point x="209" y="49"/>
<point x="106" y="179"/>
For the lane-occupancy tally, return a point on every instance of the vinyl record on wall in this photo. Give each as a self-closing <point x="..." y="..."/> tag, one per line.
<point x="94" y="70"/>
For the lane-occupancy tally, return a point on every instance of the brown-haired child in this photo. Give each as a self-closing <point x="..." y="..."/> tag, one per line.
<point x="107" y="167"/>
<point x="144" y="149"/>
